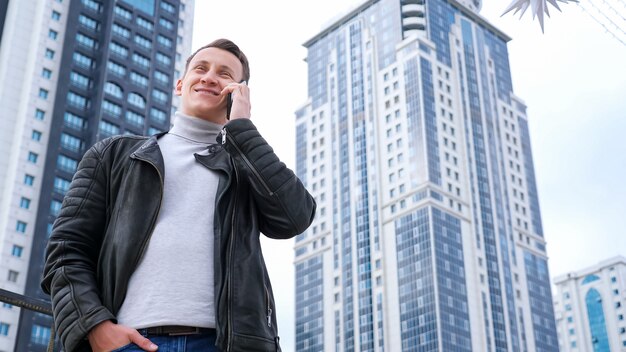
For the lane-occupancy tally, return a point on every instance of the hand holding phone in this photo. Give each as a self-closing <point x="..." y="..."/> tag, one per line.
<point x="241" y="99"/>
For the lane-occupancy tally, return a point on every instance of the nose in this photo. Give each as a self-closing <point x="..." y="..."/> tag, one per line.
<point x="209" y="78"/>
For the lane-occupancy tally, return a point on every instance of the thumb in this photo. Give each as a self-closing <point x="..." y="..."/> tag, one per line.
<point x="142" y="342"/>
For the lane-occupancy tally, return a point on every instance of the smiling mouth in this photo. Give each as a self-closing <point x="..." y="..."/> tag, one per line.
<point x="205" y="91"/>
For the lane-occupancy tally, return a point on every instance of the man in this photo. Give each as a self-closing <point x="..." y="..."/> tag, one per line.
<point x="157" y="242"/>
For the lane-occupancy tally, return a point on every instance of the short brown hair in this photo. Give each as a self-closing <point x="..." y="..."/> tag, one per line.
<point x="229" y="46"/>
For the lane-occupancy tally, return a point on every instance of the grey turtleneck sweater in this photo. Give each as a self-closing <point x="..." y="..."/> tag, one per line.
<point x="173" y="284"/>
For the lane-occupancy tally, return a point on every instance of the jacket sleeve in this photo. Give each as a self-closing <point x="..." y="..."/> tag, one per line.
<point x="72" y="252"/>
<point x="286" y="207"/>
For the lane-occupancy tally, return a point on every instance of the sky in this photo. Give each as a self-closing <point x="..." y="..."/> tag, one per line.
<point x="572" y="77"/>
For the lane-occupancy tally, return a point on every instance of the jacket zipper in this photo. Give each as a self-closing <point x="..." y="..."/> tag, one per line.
<point x="245" y="159"/>
<point x="269" y="307"/>
<point x="145" y="242"/>
<point x="230" y="269"/>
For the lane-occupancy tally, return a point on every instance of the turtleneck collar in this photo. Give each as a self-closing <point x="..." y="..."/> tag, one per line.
<point x="195" y="129"/>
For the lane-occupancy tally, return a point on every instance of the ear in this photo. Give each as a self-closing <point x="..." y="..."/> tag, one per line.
<point x="179" y="87"/>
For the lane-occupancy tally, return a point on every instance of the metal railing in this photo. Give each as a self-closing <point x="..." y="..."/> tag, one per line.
<point x="30" y="303"/>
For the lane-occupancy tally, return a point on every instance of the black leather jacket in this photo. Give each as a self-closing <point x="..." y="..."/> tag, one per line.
<point x="109" y="213"/>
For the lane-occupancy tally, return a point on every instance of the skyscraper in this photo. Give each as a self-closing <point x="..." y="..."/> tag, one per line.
<point x="590" y="305"/>
<point x="71" y="73"/>
<point x="428" y="235"/>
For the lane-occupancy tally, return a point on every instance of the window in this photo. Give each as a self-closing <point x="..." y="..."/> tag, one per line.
<point x="121" y="31"/>
<point x="36" y="135"/>
<point x="153" y="131"/>
<point x="4" y="329"/>
<point x="56" y="16"/>
<point x="24" y="203"/>
<point x="40" y="335"/>
<point x="88" y="22"/>
<point x="86" y="41"/>
<point x="168" y="7"/>
<point x="139" y="79"/>
<point x="52" y="34"/>
<point x="61" y="185"/>
<point x="20" y="226"/>
<point x="144" y="23"/>
<point x="163" y="59"/>
<point x="123" y="13"/>
<point x="29" y="179"/>
<point x="157" y="115"/>
<point x="136" y="100"/>
<point x="49" y="54"/>
<point x="55" y="207"/>
<point x="143" y="41"/>
<point x="108" y="128"/>
<point x="70" y="142"/>
<point x="39" y="114"/>
<point x="164" y="41"/>
<point x="74" y="121"/>
<point x="79" y="80"/>
<point x="141" y="60"/>
<point x="17" y="251"/>
<point x="43" y="94"/>
<point x="92" y="5"/>
<point x="119" y="50"/>
<point x="66" y="163"/>
<point x="45" y="73"/>
<point x="77" y="100"/>
<point x="82" y="60"/>
<point x="134" y="118"/>
<point x="116" y="69"/>
<point x="112" y="108"/>
<point x="32" y="157"/>
<point x="160" y="96"/>
<point x="166" y="23"/>
<point x="113" y="89"/>
<point x="161" y="77"/>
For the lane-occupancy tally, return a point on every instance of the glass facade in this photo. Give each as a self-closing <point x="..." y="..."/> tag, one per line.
<point x="428" y="218"/>
<point x="597" y="325"/>
<point x="541" y="307"/>
<point x="309" y="313"/>
<point x="416" y="283"/>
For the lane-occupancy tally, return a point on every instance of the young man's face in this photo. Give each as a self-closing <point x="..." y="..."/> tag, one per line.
<point x="200" y="89"/>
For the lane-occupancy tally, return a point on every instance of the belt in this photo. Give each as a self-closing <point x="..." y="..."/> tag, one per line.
<point x="174" y="330"/>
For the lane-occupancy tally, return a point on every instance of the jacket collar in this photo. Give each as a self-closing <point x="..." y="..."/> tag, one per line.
<point x="217" y="159"/>
<point x="149" y="151"/>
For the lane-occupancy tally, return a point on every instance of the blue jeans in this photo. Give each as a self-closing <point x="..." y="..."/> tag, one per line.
<point x="184" y="343"/>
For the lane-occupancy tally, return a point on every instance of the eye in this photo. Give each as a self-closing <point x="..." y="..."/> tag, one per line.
<point x="226" y="74"/>
<point x="199" y="68"/>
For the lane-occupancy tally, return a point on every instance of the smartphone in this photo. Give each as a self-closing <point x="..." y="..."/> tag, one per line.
<point x="229" y="105"/>
<point x="229" y="102"/>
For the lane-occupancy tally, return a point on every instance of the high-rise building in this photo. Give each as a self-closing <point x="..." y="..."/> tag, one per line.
<point x="590" y="305"/>
<point x="72" y="72"/>
<point x="428" y="234"/>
